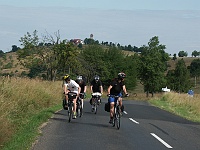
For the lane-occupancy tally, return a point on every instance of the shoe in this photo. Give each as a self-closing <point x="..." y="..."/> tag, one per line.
<point x="111" y="121"/>
<point x="74" y="115"/>
<point x="92" y="109"/>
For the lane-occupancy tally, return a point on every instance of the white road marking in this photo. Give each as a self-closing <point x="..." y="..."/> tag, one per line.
<point x="159" y="139"/>
<point x="125" y="112"/>
<point x="133" y="120"/>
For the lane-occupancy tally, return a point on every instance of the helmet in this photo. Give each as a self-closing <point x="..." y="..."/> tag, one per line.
<point x="96" y="77"/>
<point x="66" y="77"/>
<point x="121" y="75"/>
<point x="79" y="79"/>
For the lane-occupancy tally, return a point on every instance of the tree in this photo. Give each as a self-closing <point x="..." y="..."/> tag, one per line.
<point x="152" y="66"/>
<point x="14" y="48"/>
<point x="174" y="57"/>
<point x="47" y="58"/>
<point x="92" y="58"/>
<point x="1" y="53"/>
<point x="65" y="56"/>
<point x="195" y="69"/>
<point x="171" y="78"/>
<point x="30" y="41"/>
<point x="181" y="77"/>
<point x="182" y="54"/>
<point x="195" y="53"/>
<point x="129" y="66"/>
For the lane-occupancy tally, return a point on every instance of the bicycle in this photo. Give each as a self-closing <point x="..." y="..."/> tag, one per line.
<point x="117" y="112"/>
<point x="71" y="96"/>
<point x="79" y="109"/>
<point x="95" y="101"/>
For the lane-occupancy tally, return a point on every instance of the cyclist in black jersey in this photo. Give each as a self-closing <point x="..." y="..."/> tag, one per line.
<point x="96" y="86"/>
<point x="116" y="88"/>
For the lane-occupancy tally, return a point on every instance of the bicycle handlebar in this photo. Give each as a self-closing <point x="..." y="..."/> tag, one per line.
<point x="127" y="95"/>
<point x="116" y="96"/>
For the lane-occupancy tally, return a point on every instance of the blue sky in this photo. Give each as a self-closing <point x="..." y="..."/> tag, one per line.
<point x="135" y="22"/>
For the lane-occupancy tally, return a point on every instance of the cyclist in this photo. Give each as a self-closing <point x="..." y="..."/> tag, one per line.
<point x="96" y="86"/>
<point x="82" y="85"/>
<point x="116" y="88"/>
<point x="71" y="86"/>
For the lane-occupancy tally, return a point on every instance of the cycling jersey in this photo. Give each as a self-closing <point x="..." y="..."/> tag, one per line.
<point x="117" y="87"/>
<point x="82" y="85"/>
<point x="96" y="86"/>
<point x="72" y="86"/>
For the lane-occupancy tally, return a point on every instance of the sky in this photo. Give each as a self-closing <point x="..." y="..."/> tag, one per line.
<point x="134" y="22"/>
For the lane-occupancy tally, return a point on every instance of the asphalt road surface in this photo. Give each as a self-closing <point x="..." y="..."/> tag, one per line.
<point x="143" y="127"/>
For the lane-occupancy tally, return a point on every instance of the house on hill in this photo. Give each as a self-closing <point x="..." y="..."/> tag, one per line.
<point x="77" y="41"/>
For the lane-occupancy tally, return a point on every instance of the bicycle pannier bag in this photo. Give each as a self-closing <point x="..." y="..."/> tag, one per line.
<point x="64" y="104"/>
<point x="107" y="107"/>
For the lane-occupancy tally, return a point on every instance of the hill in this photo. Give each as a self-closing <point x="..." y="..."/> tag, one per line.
<point x="10" y="65"/>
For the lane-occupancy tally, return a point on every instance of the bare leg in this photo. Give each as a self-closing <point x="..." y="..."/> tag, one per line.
<point x="74" y="105"/>
<point x="120" y="101"/>
<point x="111" y="109"/>
<point x="82" y="103"/>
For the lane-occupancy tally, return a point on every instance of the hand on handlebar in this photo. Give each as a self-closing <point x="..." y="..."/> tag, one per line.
<point x="127" y="95"/>
<point x="108" y="95"/>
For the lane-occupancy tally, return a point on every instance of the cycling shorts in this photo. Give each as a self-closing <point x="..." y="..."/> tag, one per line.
<point x="113" y="99"/>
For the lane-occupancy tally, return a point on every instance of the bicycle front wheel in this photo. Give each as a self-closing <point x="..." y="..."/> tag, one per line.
<point x="95" y="108"/>
<point x="117" y="119"/>
<point x="79" y="111"/>
<point x="70" y="112"/>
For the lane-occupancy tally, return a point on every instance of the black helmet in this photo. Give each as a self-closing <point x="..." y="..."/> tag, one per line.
<point x="121" y="75"/>
<point x="96" y="77"/>
<point x="66" y="77"/>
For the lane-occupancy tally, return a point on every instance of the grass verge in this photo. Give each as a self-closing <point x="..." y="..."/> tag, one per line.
<point x="179" y="104"/>
<point x="27" y="134"/>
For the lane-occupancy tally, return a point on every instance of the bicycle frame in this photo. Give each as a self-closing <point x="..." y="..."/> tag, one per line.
<point x="116" y="113"/>
<point x="71" y="97"/>
<point x="79" y="104"/>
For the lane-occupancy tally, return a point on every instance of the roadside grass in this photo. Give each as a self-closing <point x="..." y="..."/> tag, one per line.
<point x="27" y="134"/>
<point x="24" y="105"/>
<point x="180" y="104"/>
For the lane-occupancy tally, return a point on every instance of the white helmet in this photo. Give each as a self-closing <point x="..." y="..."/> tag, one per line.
<point x="79" y="78"/>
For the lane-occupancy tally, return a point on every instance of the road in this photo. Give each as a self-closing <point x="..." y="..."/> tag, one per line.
<point x="143" y="127"/>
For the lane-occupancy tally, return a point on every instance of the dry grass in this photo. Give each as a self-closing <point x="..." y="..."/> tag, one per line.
<point x="180" y="104"/>
<point x="21" y="98"/>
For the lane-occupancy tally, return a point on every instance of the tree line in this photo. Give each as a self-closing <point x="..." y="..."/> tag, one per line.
<point x="51" y="58"/>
